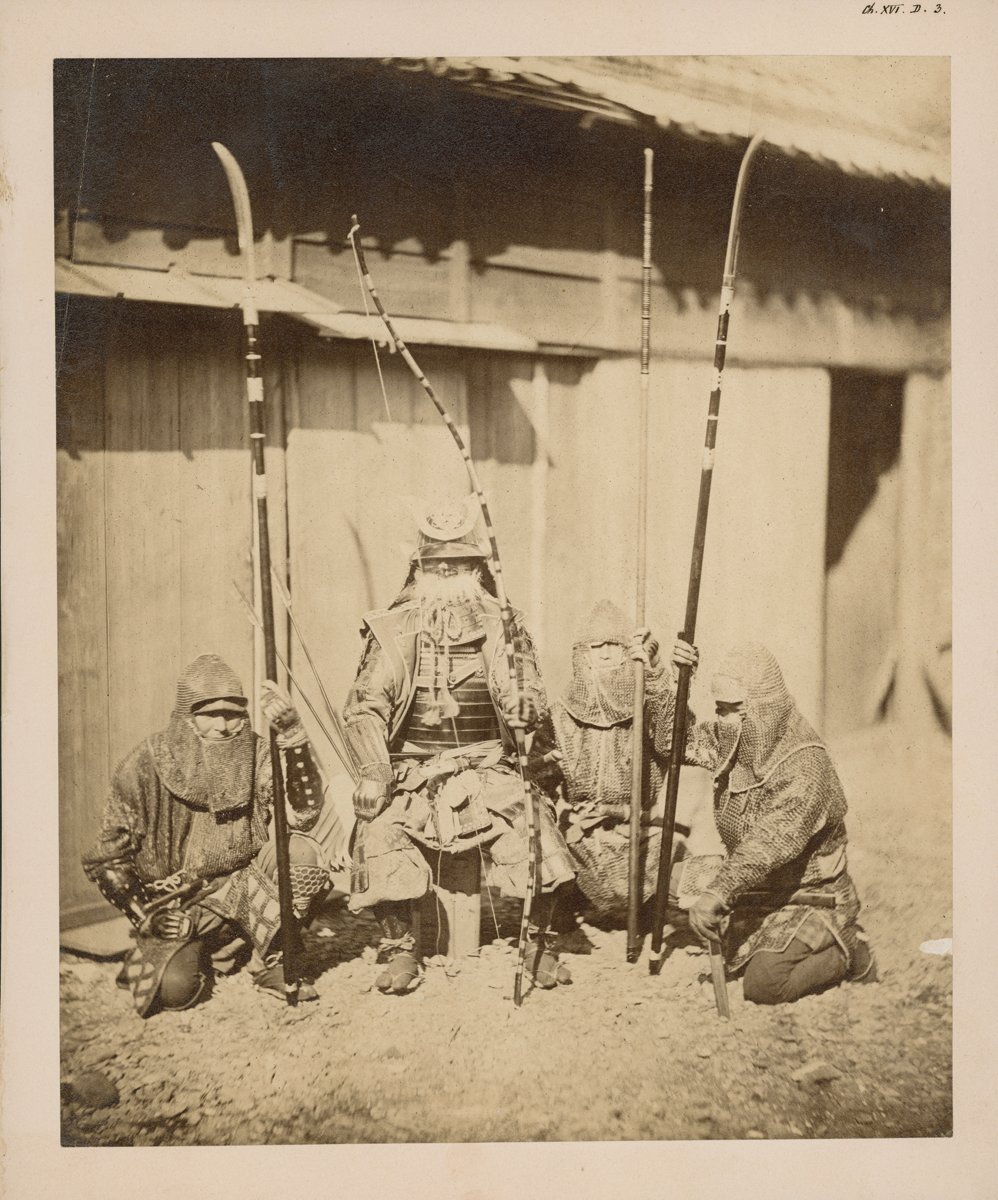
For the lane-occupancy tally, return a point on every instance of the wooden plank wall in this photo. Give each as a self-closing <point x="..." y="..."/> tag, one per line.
<point x="155" y="508"/>
<point x="925" y="552"/>
<point x="763" y="567"/>
<point x="350" y="471"/>
<point x="83" y="665"/>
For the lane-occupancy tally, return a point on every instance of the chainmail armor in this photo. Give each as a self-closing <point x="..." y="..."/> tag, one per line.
<point x="780" y="810"/>
<point x="600" y="698"/>
<point x="207" y="678"/>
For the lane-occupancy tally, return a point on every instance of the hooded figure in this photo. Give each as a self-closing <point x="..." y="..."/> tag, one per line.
<point x="585" y="746"/>
<point x="188" y="817"/>
<point x="780" y="811"/>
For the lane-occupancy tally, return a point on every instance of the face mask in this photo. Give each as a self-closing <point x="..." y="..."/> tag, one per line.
<point x="729" y="732"/>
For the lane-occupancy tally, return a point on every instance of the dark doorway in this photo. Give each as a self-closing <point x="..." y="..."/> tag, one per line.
<point x="861" y="547"/>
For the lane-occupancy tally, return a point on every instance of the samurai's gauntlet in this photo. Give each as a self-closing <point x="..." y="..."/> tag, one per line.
<point x="282" y="716"/>
<point x="156" y="916"/>
<point x="118" y="882"/>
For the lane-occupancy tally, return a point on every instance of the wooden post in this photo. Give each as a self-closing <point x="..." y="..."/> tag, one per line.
<point x="450" y="916"/>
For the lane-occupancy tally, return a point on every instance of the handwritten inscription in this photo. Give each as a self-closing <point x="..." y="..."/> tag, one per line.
<point x="892" y="10"/>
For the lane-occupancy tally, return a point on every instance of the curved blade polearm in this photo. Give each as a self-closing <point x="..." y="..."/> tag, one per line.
<point x="533" y="822"/>
<point x="254" y="395"/>
<point x="634" y="881"/>
<point x="696" y="564"/>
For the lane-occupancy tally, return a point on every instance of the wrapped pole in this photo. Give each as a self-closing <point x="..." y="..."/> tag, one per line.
<point x="634" y="881"/>
<point x="254" y="396"/>
<point x="696" y="566"/>
<point x="506" y="612"/>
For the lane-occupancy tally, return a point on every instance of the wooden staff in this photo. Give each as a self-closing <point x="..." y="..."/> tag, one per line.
<point x="634" y="881"/>
<point x="254" y="396"/>
<point x="696" y="565"/>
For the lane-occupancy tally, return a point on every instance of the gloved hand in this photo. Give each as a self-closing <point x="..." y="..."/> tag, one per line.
<point x="684" y="654"/>
<point x="526" y="714"/>
<point x="709" y="916"/>
<point x="370" y="797"/>
<point x="281" y="714"/>
<point x="643" y="647"/>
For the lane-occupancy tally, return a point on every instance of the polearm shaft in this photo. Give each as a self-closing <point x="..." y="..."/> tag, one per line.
<point x="506" y="611"/>
<point x="634" y="881"/>
<point x="718" y="979"/>
<point x="254" y="396"/>
<point x="696" y="565"/>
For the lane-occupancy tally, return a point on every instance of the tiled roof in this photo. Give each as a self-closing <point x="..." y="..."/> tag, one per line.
<point x="882" y="117"/>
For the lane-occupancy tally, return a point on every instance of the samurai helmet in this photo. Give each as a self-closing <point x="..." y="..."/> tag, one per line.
<point x="446" y="530"/>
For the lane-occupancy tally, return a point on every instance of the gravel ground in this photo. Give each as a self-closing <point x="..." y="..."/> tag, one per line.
<point x="617" y="1055"/>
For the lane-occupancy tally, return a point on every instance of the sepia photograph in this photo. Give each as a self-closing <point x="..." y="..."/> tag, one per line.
<point x="505" y="611"/>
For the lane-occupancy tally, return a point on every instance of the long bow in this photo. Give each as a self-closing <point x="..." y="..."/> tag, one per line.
<point x="254" y="395"/>
<point x="693" y="594"/>
<point x="533" y="824"/>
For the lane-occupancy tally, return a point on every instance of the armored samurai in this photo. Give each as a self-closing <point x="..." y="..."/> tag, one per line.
<point x="429" y="719"/>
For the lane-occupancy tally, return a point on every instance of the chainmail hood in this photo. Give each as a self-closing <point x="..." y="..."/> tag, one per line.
<point x="773" y="727"/>
<point x="600" y="698"/>
<point x="213" y="775"/>
<point x="207" y="678"/>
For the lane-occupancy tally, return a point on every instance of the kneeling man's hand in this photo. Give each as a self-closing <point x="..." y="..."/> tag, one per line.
<point x="709" y="916"/>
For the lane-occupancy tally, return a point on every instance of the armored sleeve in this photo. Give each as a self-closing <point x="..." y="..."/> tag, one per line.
<point x="528" y="676"/>
<point x="702" y="746"/>
<point x="302" y="810"/>
<point x="545" y="771"/>
<point x="792" y="808"/>
<point x="660" y="709"/>
<point x="123" y="826"/>
<point x="303" y="786"/>
<point x="368" y="712"/>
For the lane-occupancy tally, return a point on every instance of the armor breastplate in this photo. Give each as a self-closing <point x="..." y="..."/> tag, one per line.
<point x="476" y="720"/>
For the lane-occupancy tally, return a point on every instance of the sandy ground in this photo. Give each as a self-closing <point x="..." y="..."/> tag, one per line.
<point x="616" y="1055"/>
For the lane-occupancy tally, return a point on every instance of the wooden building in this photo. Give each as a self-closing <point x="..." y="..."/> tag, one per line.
<point x="500" y="205"/>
